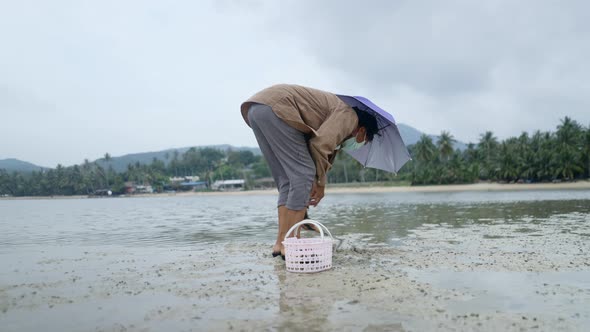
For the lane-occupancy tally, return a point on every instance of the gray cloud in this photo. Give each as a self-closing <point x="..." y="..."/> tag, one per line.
<point x="466" y="66"/>
<point x="78" y="79"/>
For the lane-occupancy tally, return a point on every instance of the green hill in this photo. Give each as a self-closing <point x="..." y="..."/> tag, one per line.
<point x="119" y="163"/>
<point x="409" y="134"/>
<point x="15" y="165"/>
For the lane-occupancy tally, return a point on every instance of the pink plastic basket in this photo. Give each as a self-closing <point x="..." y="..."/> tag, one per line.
<point x="308" y="255"/>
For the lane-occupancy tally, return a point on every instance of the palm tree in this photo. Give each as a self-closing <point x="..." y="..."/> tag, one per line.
<point x="100" y="170"/>
<point x="470" y="154"/>
<point x="61" y="180"/>
<point x="545" y="169"/>
<point x="567" y="166"/>
<point x="508" y="160"/>
<point x="488" y="144"/>
<point x="525" y="157"/>
<point x="568" y="159"/>
<point x="87" y="175"/>
<point x="167" y="159"/>
<point x="107" y="159"/>
<point x="568" y="132"/>
<point x="76" y="180"/>
<point x="425" y="149"/>
<point x="7" y="185"/>
<point x="471" y="167"/>
<point x="487" y="141"/>
<point x="445" y="145"/>
<point x="425" y="152"/>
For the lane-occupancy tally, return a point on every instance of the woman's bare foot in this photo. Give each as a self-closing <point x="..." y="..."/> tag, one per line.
<point x="278" y="249"/>
<point x="282" y="251"/>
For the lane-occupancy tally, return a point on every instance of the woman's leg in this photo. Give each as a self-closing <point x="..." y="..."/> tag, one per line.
<point x="258" y="116"/>
<point x="289" y="147"/>
<point x="288" y="156"/>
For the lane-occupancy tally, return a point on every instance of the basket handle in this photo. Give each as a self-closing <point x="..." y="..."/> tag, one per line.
<point x="319" y="225"/>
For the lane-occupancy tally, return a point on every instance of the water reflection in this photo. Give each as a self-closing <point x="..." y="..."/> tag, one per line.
<point x="298" y="301"/>
<point x="397" y="220"/>
<point x="184" y="221"/>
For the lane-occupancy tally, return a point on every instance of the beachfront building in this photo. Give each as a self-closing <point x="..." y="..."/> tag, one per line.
<point x="229" y="185"/>
<point x="188" y="178"/>
<point x="132" y="188"/>
<point x="141" y="189"/>
<point x="193" y="185"/>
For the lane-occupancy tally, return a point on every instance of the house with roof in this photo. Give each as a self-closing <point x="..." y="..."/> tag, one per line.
<point x="194" y="185"/>
<point x="229" y="185"/>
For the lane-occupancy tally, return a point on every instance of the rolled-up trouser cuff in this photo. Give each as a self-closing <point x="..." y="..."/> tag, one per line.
<point x="299" y="192"/>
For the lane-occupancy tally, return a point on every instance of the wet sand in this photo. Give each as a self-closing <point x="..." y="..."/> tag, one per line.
<point x="444" y="278"/>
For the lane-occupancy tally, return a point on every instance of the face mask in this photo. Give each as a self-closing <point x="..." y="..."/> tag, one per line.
<point x="351" y="144"/>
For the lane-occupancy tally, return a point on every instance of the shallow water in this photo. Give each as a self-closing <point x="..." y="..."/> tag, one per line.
<point x="385" y="218"/>
<point x="515" y="259"/>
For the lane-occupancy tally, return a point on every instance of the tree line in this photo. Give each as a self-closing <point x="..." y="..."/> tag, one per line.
<point x="563" y="155"/>
<point x="208" y="163"/>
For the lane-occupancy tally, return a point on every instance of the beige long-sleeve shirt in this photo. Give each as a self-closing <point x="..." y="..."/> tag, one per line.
<point x="321" y="115"/>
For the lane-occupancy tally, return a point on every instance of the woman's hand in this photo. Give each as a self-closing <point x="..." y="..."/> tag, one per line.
<point x="317" y="193"/>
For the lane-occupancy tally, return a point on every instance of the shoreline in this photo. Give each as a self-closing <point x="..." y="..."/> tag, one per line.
<point x="578" y="185"/>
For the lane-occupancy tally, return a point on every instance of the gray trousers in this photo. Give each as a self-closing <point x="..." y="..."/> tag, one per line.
<point x="286" y="152"/>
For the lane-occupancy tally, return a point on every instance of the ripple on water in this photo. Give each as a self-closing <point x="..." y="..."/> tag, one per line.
<point x="390" y="218"/>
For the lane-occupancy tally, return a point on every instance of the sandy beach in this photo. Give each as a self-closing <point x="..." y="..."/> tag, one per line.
<point x="578" y="185"/>
<point x="582" y="185"/>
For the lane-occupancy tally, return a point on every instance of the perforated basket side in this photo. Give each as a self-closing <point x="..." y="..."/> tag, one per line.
<point x="308" y="255"/>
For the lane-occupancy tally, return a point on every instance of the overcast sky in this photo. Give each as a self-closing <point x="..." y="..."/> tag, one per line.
<point x="82" y="78"/>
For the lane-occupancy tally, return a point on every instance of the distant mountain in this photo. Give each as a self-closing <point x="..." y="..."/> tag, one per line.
<point x="411" y="136"/>
<point x="120" y="163"/>
<point x="15" y="165"/>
